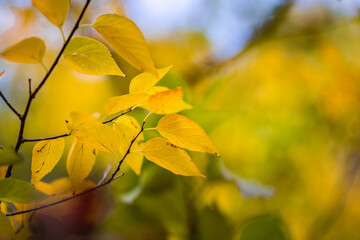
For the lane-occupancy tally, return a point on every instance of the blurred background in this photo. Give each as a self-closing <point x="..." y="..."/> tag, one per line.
<point x="275" y="84"/>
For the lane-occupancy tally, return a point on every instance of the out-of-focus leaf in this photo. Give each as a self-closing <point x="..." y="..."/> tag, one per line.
<point x="127" y="128"/>
<point x="127" y="40"/>
<point x="6" y="230"/>
<point x="2" y="73"/>
<point x="29" y="50"/>
<point x="18" y="191"/>
<point x="89" y="56"/>
<point x="80" y="162"/>
<point x="171" y="157"/>
<point x="96" y="135"/>
<point x="46" y="154"/>
<point x="184" y="132"/>
<point x="9" y="157"/>
<point x="55" y="11"/>
<point x="145" y="81"/>
<point x="124" y="102"/>
<point x="162" y="100"/>
<point x="3" y="171"/>
<point x="264" y="227"/>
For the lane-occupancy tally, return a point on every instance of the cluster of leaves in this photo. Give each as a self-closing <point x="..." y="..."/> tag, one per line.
<point x="124" y="139"/>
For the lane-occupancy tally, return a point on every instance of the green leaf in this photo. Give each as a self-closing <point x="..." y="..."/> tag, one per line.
<point x="29" y="50"/>
<point x="18" y="191"/>
<point x="127" y="40"/>
<point x="9" y="157"/>
<point x="6" y="230"/>
<point x="89" y="56"/>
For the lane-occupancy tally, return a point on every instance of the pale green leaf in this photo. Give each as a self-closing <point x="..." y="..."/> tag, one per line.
<point x="18" y="191"/>
<point x="46" y="154"/>
<point x="89" y="56"/>
<point x="6" y="230"/>
<point x="9" y="157"/>
<point x="171" y="157"/>
<point x="126" y="38"/>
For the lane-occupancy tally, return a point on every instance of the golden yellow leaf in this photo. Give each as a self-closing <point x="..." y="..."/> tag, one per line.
<point x="78" y="118"/>
<point x="185" y="133"/>
<point x="127" y="128"/>
<point x="96" y="135"/>
<point x="168" y="109"/>
<point x="80" y="162"/>
<point x="127" y="40"/>
<point x="55" y="11"/>
<point x="29" y="50"/>
<point x="46" y="154"/>
<point x="124" y="102"/>
<point x="3" y="170"/>
<point x="162" y="100"/>
<point x="145" y="81"/>
<point x="89" y="56"/>
<point x="171" y="157"/>
<point x="2" y="73"/>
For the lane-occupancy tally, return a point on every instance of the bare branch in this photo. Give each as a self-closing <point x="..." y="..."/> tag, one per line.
<point x="64" y="199"/>
<point x="29" y="86"/>
<point x="9" y="105"/>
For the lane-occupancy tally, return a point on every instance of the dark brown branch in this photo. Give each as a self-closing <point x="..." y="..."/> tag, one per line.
<point x="68" y="134"/>
<point x="30" y="87"/>
<point x="64" y="199"/>
<point x="9" y="105"/>
<point x="127" y="152"/>
<point x="20" y="139"/>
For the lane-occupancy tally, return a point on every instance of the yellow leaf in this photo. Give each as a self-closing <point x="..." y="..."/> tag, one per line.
<point x="96" y="135"/>
<point x="172" y="108"/>
<point x="29" y="50"/>
<point x="162" y="100"/>
<point x="89" y="56"/>
<point x="127" y="128"/>
<point x="127" y="40"/>
<point x="80" y="162"/>
<point x="185" y="133"/>
<point x="78" y="118"/>
<point x="46" y="154"/>
<point x="3" y="170"/>
<point x="145" y="81"/>
<point x="171" y="157"/>
<point x="124" y="102"/>
<point x="55" y="11"/>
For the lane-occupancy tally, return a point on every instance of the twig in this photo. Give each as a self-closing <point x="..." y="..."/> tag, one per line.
<point x="20" y="139"/>
<point x="128" y="150"/>
<point x="68" y="134"/>
<point x="29" y="86"/>
<point x="9" y="105"/>
<point x="64" y="199"/>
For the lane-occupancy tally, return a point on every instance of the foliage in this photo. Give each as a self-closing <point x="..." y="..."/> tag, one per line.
<point x="123" y="140"/>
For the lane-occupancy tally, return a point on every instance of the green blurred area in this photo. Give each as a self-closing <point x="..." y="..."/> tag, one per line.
<point x="284" y="115"/>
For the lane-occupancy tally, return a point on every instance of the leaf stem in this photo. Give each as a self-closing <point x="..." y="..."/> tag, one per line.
<point x="85" y="25"/>
<point x="149" y="129"/>
<point x="62" y="34"/>
<point x="44" y="67"/>
<point x="64" y="199"/>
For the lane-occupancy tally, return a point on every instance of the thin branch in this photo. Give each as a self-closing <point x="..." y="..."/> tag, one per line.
<point x="20" y="139"/>
<point x="64" y="199"/>
<point x="29" y="86"/>
<point x="68" y="134"/>
<point x="9" y="105"/>
<point x="45" y="138"/>
<point x="128" y="150"/>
